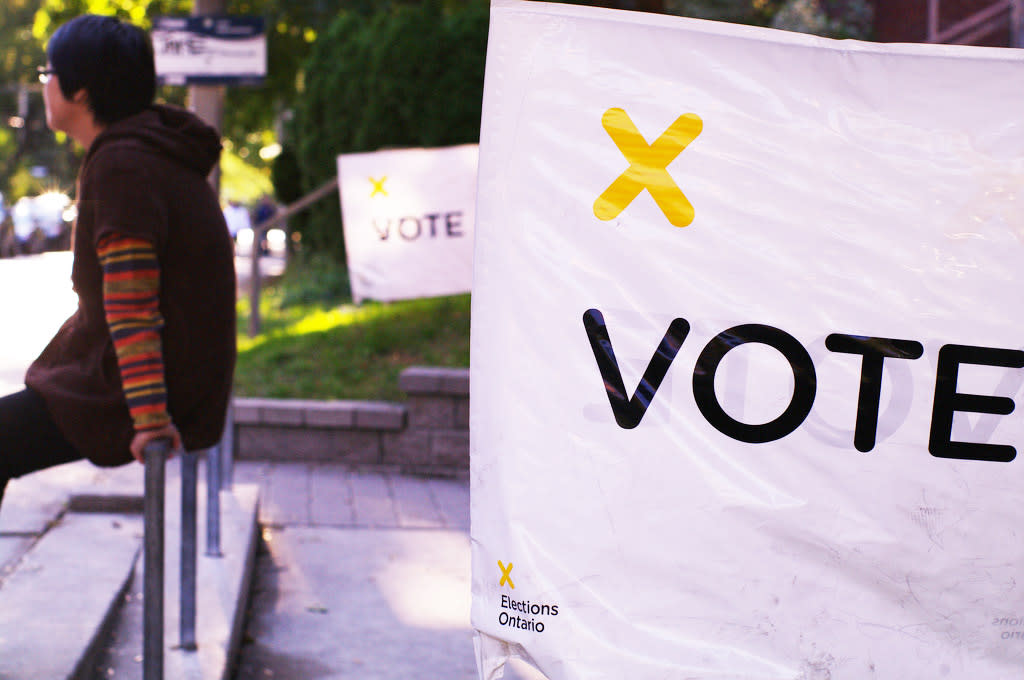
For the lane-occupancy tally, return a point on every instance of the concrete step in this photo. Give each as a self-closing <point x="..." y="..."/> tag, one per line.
<point x="223" y="589"/>
<point x="62" y="603"/>
<point x="60" y="597"/>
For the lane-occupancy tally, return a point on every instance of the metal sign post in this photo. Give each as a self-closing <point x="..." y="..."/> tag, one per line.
<point x="155" y="456"/>
<point x="189" y="520"/>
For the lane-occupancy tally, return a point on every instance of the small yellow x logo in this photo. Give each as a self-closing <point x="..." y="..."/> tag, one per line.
<point x="506" y="575"/>
<point x="647" y="167"/>
<point x="378" y="186"/>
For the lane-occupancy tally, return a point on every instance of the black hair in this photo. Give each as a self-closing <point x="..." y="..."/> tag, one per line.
<point x="111" y="59"/>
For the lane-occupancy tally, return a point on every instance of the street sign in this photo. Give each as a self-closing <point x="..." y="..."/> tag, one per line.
<point x="210" y="50"/>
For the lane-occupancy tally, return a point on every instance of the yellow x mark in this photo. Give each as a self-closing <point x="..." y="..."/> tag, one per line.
<point x="378" y="186"/>
<point x="506" y="575"/>
<point x="648" y="167"/>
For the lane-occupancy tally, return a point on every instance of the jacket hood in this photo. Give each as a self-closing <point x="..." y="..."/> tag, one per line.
<point x="167" y="131"/>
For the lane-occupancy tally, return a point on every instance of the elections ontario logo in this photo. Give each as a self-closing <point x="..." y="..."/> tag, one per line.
<point x="648" y="167"/>
<point x="518" y="613"/>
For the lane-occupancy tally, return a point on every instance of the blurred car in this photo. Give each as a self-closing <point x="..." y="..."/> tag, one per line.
<point x="41" y="222"/>
<point x="274" y="242"/>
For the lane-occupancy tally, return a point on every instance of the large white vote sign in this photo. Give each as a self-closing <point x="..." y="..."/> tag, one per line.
<point x="747" y="331"/>
<point x="408" y="217"/>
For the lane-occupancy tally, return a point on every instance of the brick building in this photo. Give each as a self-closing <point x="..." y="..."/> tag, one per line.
<point x="974" y="22"/>
<point x="997" y="23"/>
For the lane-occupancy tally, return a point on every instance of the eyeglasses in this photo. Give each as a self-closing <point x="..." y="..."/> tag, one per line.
<point x="44" y="74"/>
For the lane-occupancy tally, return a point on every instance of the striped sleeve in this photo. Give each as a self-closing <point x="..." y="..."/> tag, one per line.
<point x="131" y="299"/>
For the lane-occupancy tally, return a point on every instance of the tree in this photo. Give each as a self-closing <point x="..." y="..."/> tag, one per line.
<point x="22" y="126"/>
<point x="403" y="75"/>
<point x="251" y="113"/>
<point x="831" y="18"/>
<point x="755" y="12"/>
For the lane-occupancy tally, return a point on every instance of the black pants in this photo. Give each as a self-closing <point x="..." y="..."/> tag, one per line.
<point x="29" y="439"/>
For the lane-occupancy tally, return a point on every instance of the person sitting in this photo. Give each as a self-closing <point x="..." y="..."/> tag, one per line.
<point x="150" y="351"/>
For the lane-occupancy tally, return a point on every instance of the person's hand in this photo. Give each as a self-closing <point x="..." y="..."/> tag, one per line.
<point x="144" y="437"/>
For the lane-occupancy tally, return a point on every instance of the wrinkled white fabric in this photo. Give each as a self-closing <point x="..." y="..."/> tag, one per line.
<point x="839" y="190"/>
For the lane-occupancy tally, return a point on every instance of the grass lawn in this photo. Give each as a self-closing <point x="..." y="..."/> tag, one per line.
<point x="315" y="344"/>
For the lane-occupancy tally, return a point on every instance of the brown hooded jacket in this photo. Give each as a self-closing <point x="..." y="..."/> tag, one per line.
<point x="145" y="176"/>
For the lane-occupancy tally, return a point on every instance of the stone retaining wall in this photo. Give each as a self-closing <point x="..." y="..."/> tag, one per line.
<point x="428" y="434"/>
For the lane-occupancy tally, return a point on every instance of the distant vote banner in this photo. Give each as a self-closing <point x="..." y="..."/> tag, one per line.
<point x="746" y="351"/>
<point x="408" y="216"/>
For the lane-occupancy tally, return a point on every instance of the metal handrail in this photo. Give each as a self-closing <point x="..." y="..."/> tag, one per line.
<point x="214" y="484"/>
<point x="259" y="229"/>
<point x="155" y="457"/>
<point x="189" y="518"/>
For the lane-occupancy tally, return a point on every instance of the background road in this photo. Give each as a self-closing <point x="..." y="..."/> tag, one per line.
<point x="36" y="298"/>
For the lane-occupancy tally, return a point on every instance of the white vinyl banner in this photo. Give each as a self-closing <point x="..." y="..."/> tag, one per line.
<point x="408" y="217"/>
<point x="746" y="348"/>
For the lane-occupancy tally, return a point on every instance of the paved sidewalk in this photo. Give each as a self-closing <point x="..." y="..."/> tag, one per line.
<point x="61" y="572"/>
<point x="71" y="539"/>
<point x="362" y="576"/>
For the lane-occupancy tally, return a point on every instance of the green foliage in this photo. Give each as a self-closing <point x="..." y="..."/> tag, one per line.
<point x="250" y="113"/>
<point x="293" y="27"/>
<point x="405" y="75"/>
<point x="20" y="52"/>
<point x="314" y="278"/>
<point x="240" y="181"/>
<point x="324" y="350"/>
<point x="756" y="12"/>
<point x="286" y="176"/>
<point x="22" y="183"/>
<point x="829" y="18"/>
<point x="22" y="124"/>
<point x="53" y="13"/>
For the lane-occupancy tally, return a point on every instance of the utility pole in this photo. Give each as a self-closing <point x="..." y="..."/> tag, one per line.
<point x="207" y="101"/>
<point x="23" y="113"/>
